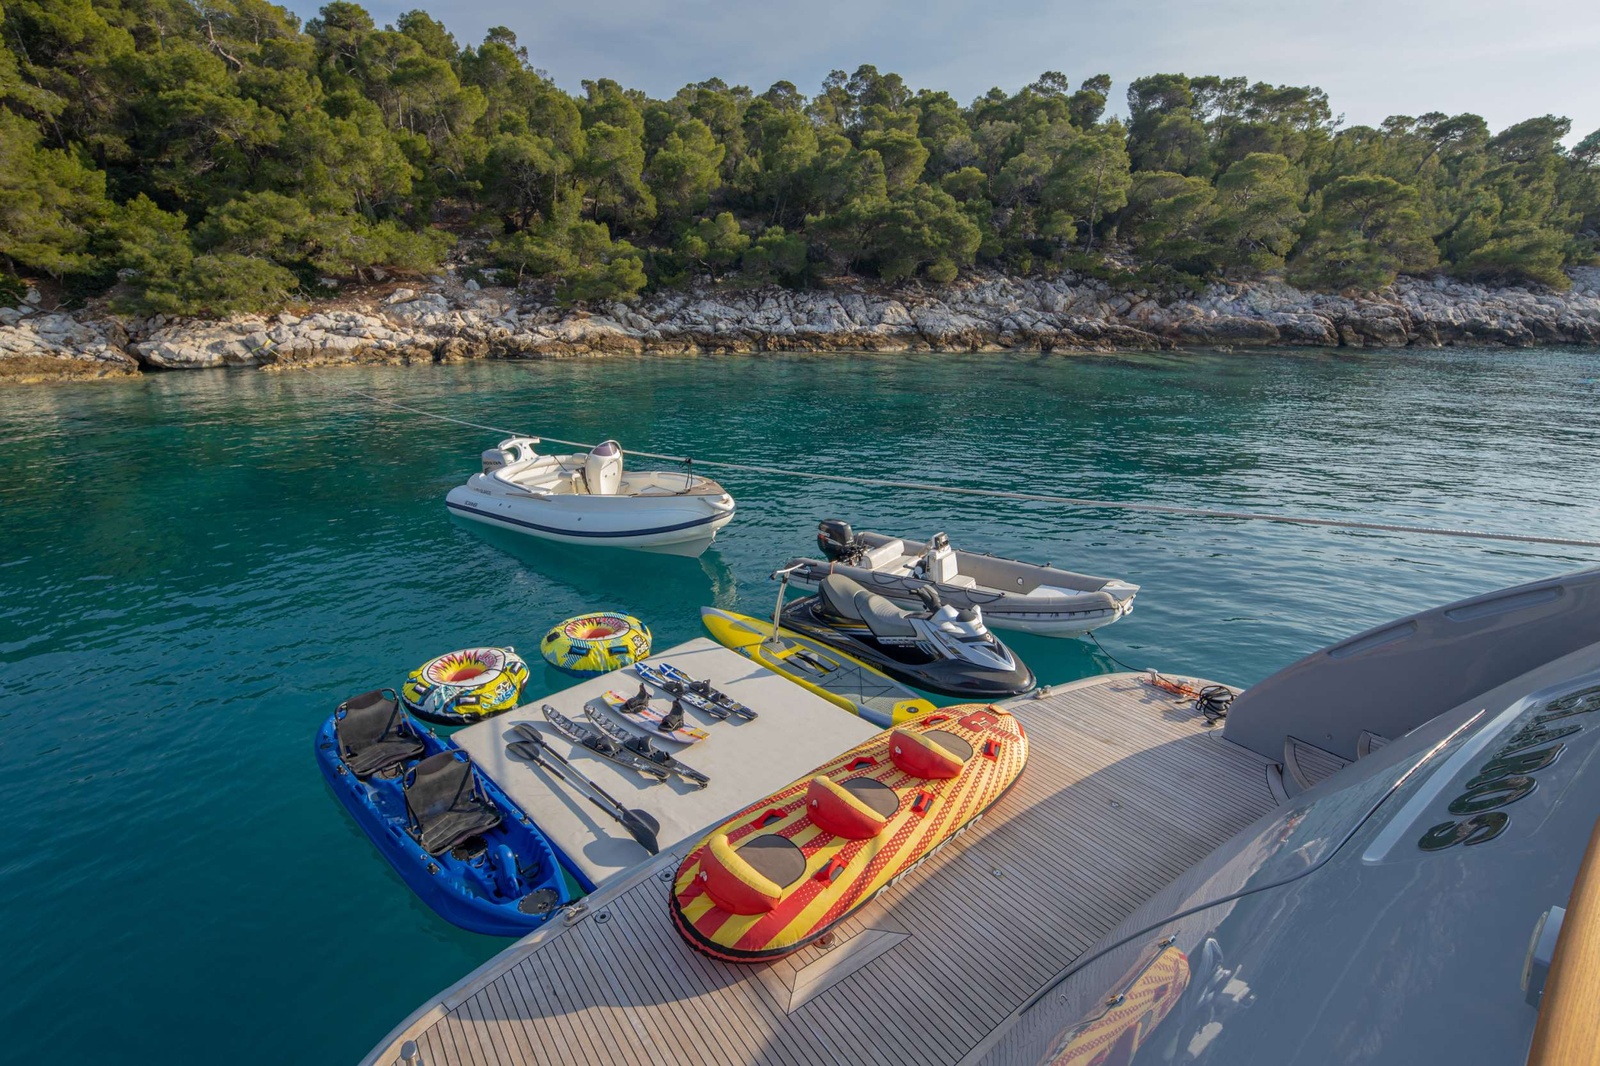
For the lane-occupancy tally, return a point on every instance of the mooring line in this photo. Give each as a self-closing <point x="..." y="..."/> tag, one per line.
<point x="1027" y="497"/>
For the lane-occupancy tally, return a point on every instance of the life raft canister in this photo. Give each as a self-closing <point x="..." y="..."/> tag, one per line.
<point x="593" y="644"/>
<point x="466" y="686"/>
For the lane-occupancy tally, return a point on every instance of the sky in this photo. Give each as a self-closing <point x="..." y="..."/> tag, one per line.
<point x="1504" y="61"/>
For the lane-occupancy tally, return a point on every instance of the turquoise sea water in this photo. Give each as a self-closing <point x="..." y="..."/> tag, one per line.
<point x="194" y="568"/>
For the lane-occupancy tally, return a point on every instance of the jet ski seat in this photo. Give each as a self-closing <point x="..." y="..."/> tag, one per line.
<point x="443" y="803"/>
<point x="844" y="598"/>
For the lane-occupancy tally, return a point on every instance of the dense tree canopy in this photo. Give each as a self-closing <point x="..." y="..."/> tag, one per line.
<point x="210" y="156"/>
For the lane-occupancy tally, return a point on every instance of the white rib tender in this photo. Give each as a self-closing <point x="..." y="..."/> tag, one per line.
<point x="1032" y="497"/>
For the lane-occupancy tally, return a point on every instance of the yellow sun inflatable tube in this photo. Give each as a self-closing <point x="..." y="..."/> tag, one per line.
<point x="593" y="644"/>
<point x="466" y="686"/>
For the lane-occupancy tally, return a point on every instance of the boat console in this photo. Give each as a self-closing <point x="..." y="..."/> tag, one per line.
<point x="602" y="469"/>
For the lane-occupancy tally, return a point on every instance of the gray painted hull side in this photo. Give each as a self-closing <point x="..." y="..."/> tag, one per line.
<point x="1375" y="918"/>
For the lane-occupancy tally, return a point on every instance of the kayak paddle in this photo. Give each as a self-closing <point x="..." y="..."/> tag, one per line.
<point x="641" y="825"/>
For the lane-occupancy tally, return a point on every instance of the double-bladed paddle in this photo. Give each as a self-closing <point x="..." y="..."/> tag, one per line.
<point x="641" y="825"/>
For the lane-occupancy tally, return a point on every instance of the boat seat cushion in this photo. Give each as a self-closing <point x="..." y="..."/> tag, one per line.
<point x="443" y="801"/>
<point x="961" y="581"/>
<point x="374" y="734"/>
<point x="751" y="878"/>
<point x="884" y="554"/>
<point x="856" y="809"/>
<point x="934" y="754"/>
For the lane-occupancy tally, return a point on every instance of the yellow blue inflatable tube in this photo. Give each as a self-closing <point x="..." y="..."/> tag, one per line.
<point x="594" y="644"/>
<point x="466" y="686"/>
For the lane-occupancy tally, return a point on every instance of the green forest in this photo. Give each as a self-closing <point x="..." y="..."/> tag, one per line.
<point x="216" y="156"/>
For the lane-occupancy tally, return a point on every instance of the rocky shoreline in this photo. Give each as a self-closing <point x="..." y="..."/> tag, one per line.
<point x="447" y="321"/>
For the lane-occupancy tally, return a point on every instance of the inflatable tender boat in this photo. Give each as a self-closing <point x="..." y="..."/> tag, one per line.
<point x="455" y="838"/>
<point x="1012" y="594"/>
<point x="588" y="498"/>
<point x="788" y="868"/>
<point x="938" y="649"/>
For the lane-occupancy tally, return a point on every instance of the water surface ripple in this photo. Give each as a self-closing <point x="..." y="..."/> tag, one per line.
<point x="195" y="568"/>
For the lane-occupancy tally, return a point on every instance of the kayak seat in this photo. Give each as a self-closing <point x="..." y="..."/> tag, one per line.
<point x="934" y="754"/>
<point x="374" y="734"/>
<point x="856" y="809"/>
<point x="444" y="803"/>
<point x="844" y="598"/>
<point x="751" y="878"/>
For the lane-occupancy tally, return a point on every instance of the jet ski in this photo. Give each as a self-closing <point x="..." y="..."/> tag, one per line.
<point x="940" y="649"/>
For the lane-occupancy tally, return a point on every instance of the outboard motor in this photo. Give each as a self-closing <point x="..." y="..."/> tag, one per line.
<point x="494" y="459"/>
<point x="835" y="538"/>
<point x="602" y="470"/>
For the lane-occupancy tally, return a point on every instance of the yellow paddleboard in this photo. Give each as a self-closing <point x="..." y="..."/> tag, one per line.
<point x="836" y="677"/>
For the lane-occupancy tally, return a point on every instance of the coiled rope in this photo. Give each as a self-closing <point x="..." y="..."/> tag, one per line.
<point x="1001" y="494"/>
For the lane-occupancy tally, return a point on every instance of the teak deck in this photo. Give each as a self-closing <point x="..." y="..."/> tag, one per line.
<point x="1104" y="815"/>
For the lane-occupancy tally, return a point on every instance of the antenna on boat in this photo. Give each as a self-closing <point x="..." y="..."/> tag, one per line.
<point x="782" y="578"/>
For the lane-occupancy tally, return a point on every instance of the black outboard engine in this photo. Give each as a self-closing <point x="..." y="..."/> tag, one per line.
<point x="835" y="538"/>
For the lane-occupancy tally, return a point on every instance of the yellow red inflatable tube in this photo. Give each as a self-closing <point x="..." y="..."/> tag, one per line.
<point x="786" y="869"/>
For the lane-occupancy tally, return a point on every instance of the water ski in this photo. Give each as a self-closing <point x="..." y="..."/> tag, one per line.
<point x="594" y="742"/>
<point x="667" y="724"/>
<point x="641" y="746"/>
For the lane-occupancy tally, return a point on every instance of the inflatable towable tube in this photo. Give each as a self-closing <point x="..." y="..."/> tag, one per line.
<point x="594" y="644"/>
<point x="466" y="686"/>
<point x="787" y="868"/>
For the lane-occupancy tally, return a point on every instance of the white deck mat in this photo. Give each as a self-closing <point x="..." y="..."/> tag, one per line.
<point x="795" y="732"/>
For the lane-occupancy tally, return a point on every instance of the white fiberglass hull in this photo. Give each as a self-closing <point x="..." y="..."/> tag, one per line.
<point x="673" y="525"/>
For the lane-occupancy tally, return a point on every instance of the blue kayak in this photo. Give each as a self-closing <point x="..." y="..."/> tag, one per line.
<point x="452" y="835"/>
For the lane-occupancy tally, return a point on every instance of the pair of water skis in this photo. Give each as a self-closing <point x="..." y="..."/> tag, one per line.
<point x="682" y="690"/>
<point x="604" y="738"/>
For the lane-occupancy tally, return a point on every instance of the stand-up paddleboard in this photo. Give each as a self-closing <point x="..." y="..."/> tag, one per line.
<point x="836" y="677"/>
<point x="788" y="868"/>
